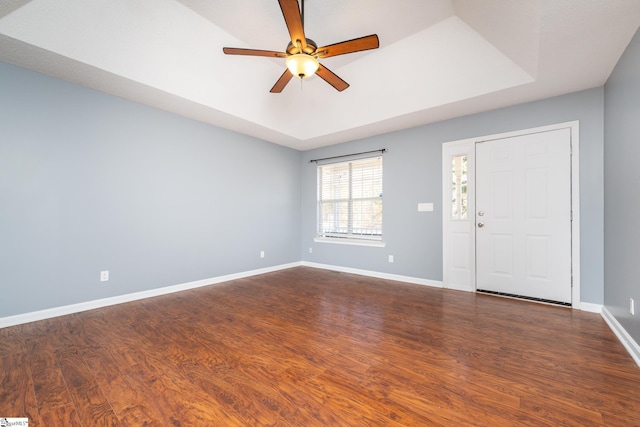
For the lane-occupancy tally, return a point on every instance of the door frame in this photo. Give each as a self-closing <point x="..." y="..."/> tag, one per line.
<point x="467" y="146"/>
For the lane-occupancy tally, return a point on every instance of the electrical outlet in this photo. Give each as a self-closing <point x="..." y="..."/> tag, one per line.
<point x="632" y="307"/>
<point x="261" y="254"/>
<point x="390" y="258"/>
<point x="104" y="276"/>
<point x="310" y="250"/>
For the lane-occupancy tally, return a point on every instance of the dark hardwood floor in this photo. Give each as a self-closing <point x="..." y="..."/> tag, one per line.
<point x="307" y="347"/>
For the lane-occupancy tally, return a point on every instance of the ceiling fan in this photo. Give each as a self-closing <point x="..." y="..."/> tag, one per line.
<point x="302" y="53"/>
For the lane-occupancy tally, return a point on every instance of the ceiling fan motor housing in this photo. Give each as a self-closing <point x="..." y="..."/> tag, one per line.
<point x="310" y="49"/>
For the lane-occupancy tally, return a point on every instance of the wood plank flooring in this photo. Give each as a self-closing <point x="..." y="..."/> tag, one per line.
<point x="308" y="347"/>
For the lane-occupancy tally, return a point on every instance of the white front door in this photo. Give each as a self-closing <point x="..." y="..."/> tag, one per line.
<point x="523" y="215"/>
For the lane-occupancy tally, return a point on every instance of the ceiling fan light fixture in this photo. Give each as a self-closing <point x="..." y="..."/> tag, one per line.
<point x="302" y="65"/>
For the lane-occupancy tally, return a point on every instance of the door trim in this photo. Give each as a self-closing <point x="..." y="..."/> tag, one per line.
<point x="468" y="145"/>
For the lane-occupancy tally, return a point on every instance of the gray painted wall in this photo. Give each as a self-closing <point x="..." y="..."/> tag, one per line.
<point x="622" y="185"/>
<point x="412" y="174"/>
<point x="92" y="182"/>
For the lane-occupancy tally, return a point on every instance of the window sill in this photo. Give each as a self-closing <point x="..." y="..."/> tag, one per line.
<point x="354" y="242"/>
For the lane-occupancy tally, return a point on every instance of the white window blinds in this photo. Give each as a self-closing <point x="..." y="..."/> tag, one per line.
<point x="350" y="199"/>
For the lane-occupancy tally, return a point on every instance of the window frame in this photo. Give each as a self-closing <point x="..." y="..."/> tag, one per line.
<point x="349" y="238"/>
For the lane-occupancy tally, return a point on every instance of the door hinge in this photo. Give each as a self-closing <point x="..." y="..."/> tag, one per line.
<point x="571" y="216"/>
<point x="572" y="281"/>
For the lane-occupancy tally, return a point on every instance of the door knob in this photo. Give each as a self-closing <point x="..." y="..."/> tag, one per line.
<point x="480" y="224"/>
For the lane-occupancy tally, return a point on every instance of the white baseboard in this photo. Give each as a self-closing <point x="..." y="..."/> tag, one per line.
<point x="629" y="343"/>
<point x="592" y="308"/>
<point x="104" y="302"/>
<point x="376" y="274"/>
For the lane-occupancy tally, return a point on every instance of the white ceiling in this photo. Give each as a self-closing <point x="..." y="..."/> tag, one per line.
<point x="438" y="59"/>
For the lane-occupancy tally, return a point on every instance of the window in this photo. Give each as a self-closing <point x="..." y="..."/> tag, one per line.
<point x="350" y="201"/>
<point x="459" y="202"/>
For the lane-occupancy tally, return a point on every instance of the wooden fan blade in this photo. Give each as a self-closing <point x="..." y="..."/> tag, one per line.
<point x="291" y="12"/>
<point x="349" y="46"/>
<point x="253" y="52"/>
<point x="328" y="76"/>
<point x="282" y="82"/>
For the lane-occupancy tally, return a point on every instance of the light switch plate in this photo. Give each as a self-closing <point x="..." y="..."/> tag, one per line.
<point x="425" y="207"/>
